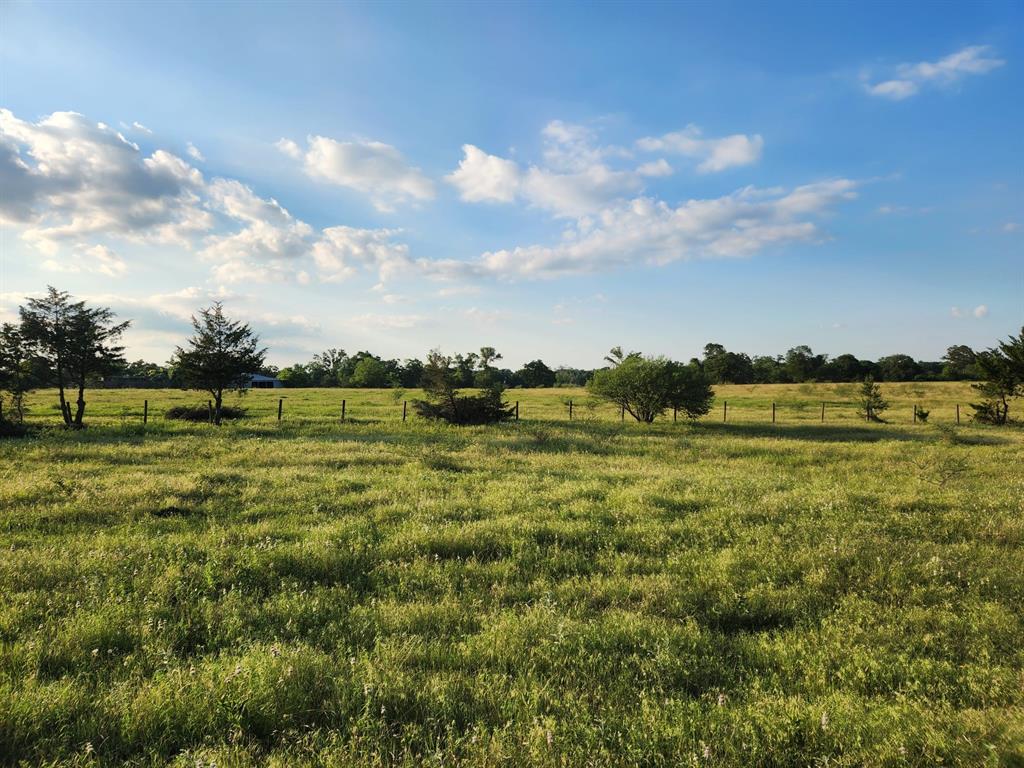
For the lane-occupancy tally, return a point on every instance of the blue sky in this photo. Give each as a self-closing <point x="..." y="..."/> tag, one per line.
<point x="549" y="179"/>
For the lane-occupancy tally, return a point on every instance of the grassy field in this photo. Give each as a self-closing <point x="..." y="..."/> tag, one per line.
<point x="538" y="593"/>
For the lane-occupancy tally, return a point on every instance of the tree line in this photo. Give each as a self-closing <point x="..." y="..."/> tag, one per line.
<point x="66" y="344"/>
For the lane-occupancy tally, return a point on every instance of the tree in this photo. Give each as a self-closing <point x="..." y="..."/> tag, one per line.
<point x="221" y="355"/>
<point x="960" y="363"/>
<point x="645" y="387"/>
<point x="897" y="368"/>
<point x="77" y="342"/>
<point x="872" y="403"/>
<point x="536" y="374"/>
<point x="19" y="372"/>
<point x="1001" y="369"/>
<point x="802" y="364"/>
<point x="441" y="378"/>
<point x="369" y="372"/>
<point x="487" y="376"/>
<point x="768" y="370"/>
<point x="724" y="367"/>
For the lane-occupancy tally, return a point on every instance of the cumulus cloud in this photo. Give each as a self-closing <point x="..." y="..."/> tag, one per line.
<point x="978" y="312"/>
<point x="375" y="169"/>
<point x="579" y="176"/>
<point x="482" y="178"/>
<point x="647" y="231"/>
<point x="66" y="178"/>
<point x="98" y="258"/>
<point x="714" y="154"/>
<point x="910" y="78"/>
<point x="344" y="251"/>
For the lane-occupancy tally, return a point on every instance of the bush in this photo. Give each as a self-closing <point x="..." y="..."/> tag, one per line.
<point x="202" y="412"/>
<point x="645" y="387"/>
<point x="12" y="429"/>
<point x="485" y="408"/>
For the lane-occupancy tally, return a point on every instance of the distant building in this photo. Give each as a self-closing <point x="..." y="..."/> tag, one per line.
<point x="259" y="381"/>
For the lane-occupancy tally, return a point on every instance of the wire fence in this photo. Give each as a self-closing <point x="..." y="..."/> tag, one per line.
<point x="365" y="406"/>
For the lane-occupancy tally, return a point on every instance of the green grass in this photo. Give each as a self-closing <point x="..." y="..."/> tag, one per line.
<point x="540" y="593"/>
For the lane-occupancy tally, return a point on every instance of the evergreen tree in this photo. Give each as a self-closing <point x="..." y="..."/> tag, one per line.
<point x="76" y="341"/>
<point x="221" y="355"/>
<point x="872" y="403"/>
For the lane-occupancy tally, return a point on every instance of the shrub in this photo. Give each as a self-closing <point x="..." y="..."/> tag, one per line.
<point x="645" y="387"/>
<point x="202" y="412"/>
<point x="446" y="404"/>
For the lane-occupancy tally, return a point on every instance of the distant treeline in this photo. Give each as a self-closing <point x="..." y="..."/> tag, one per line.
<point x="337" y="368"/>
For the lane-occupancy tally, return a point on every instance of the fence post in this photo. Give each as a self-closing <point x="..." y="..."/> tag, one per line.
<point x="145" y="411"/>
<point x="570" y="410"/>
<point x="343" y="411"/>
<point x="517" y="410"/>
<point x="822" y="411"/>
<point x="725" y="410"/>
<point x="958" y="413"/>
<point x="675" y="413"/>
<point x="280" y="407"/>
<point x="773" y="413"/>
<point x="915" y="413"/>
<point x="405" y="405"/>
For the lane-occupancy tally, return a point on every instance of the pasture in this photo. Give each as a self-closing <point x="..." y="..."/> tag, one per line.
<point x="546" y="592"/>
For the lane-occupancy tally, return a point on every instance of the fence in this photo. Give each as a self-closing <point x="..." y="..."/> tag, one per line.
<point x="325" y="406"/>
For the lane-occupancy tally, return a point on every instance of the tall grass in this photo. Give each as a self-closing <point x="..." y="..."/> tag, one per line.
<point x="540" y="593"/>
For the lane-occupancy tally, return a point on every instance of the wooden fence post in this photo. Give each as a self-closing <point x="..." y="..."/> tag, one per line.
<point x="773" y="413"/>
<point x="915" y="413"/>
<point x="145" y="411"/>
<point x="280" y="407"/>
<point x="725" y="410"/>
<point x="675" y="413"/>
<point x="517" y="410"/>
<point x="570" y="410"/>
<point x="822" y="411"/>
<point x="405" y="406"/>
<point x="343" y="411"/>
<point x="958" y="413"/>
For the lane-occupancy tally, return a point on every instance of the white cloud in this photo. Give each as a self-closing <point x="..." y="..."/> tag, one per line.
<point x="978" y="312"/>
<point x="481" y="177"/>
<point x="715" y="154"/>
<point x="909" y="79"/>
<point x="1011" y="226"/>
<point x="646" y="231"/>
<point x="194" y="153"/>
<point x="659" y="167"/>
<point x="370" y="167"/>
<point x="97" y="258"/>
<point x="289" y="148"/>
<point x="66" y="179"/>
<point x="372" y="321"/>
<point x="137" y="126"/>
<point x="343" y="251"/>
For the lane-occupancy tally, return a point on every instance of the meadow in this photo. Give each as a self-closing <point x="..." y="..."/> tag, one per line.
<point x="544" y="592"/>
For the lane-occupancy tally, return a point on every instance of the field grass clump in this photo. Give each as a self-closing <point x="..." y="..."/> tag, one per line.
<point x="378" y="592"/>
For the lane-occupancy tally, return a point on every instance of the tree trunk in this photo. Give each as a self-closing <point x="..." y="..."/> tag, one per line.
<point x="64" y="414"/>
<point x="80" y="403"/>
<point x="216" y="406"/>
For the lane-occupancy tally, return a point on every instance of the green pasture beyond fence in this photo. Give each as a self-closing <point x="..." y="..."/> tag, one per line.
<point x="945" y="402"/>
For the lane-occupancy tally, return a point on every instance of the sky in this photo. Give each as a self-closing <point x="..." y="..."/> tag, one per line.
<point x="551" y="179"/>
